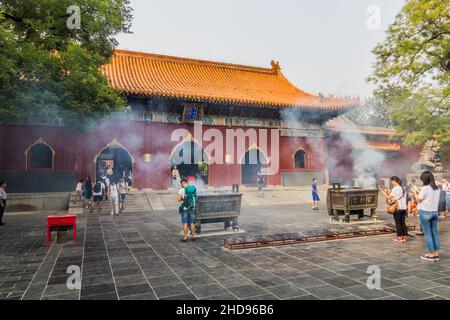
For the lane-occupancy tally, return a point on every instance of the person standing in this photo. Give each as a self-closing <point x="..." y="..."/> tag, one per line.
<point x="412" y="208"/>
<point x="175" y="176"/>
<point x="398" y="194"/>
<point x="260" y="183"/>
<point x="3" y="198"/>
<point x="129" y="178"/>
<point x="446" y="188"/>
<point x="107" y="182"/>
<point x="88" y="192"/>
<point x="428" y="200"/>
<point x="123" y="189"/>
<point x="187" y="197"/>
<point x="98" y="192"/>
<point x="79" y="189"/>
<point x="114" y="198"/>
<point x="315" y="195"/>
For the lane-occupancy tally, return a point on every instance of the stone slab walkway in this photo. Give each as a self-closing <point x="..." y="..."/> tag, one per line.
<point x="139" y="256"/>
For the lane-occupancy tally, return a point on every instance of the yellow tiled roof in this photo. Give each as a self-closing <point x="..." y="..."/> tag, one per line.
<point x="344" y="124"/>
<point x="199" y="80"/>
<point x="384" y="146"/>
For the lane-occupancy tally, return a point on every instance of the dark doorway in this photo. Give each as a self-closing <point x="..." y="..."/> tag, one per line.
<point x="252" y="162"/>
<point x="196" y="164"/>
<point x="41" y="157"/>
<point x="119" y="161"/>
<point x="300" y="159"/>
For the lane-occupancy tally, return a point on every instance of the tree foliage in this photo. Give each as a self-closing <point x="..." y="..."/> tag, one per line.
<point x="412" y="71"/>
<point x="51" y="73"/>
<point x="371" y="113"/>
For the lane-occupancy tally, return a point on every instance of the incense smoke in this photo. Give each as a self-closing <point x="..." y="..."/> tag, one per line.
<point x="366" y="161"/>
<point x="349" y="145"/>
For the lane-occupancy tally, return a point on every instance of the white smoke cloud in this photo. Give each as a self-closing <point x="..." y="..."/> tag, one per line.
<point x="366" y="161"/>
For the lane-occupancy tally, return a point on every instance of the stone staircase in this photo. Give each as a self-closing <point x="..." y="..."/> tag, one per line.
<point x="135" y="201"/>
<point x="152" y="200"/>
<point x="166" y="199"/>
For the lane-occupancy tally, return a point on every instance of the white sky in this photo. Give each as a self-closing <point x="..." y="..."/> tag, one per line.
<point x="322" y="45"/>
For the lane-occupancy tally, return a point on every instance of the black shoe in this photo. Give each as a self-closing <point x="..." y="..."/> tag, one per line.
<point x="183" y="240"/>
<point x="193" y="239"/>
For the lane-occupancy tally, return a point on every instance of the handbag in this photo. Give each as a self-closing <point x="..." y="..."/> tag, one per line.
<point x="393" y="205"/>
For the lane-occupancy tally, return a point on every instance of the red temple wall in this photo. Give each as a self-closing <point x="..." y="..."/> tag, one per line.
<point x="313" y="147"/>
<point x="75" y="152"/>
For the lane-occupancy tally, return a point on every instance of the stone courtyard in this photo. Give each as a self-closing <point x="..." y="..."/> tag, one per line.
<point x="140" y="256"/>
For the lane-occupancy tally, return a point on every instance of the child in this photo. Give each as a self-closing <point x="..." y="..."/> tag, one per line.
<point x="315" y="195"/>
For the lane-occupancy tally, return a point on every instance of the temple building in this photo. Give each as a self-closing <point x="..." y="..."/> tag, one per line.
<point x="166" y="94"/>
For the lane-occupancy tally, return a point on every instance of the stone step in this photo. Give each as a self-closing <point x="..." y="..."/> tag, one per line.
<point x="135" y="201"/>
<point x="155" y="201"/>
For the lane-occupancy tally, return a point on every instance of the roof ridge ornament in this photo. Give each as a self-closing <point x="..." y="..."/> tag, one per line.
<point x="275" y="66"/>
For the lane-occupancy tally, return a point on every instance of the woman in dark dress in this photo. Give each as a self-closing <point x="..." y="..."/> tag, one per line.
<point x="87" y="192"/>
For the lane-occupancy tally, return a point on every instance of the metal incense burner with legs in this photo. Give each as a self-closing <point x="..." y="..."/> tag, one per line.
<point x="347" y="201"/>
<point x="218" y="207"/>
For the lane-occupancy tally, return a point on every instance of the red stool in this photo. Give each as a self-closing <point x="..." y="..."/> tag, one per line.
<point x="61" y="221"/>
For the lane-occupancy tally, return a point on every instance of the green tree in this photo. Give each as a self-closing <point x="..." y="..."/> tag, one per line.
<point x="371" y="113"/>
<point x="412" y="71"/>
<point x="50" y="72"/>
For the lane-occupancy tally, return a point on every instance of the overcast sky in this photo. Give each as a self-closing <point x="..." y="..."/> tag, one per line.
<point x="322" y="45"/>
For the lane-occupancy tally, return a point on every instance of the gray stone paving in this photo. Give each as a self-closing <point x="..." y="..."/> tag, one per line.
<point x="139" y="256"/>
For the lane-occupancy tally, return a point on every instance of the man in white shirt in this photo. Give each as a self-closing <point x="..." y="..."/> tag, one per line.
<point x="98" y="190"/>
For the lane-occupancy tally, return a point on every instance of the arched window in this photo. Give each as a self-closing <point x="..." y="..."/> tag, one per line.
<point x="39" y="155"/>
<point x="300" y="159"/>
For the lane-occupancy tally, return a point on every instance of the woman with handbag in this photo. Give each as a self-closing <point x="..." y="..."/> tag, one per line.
<point x="397" y="207"/>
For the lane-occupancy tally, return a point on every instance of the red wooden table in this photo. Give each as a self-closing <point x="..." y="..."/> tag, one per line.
<point x="61" y="221"/>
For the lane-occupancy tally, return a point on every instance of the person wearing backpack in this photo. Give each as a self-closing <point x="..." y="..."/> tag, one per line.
<point x="98" y="191"/>
<point x="187" y="197"/>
